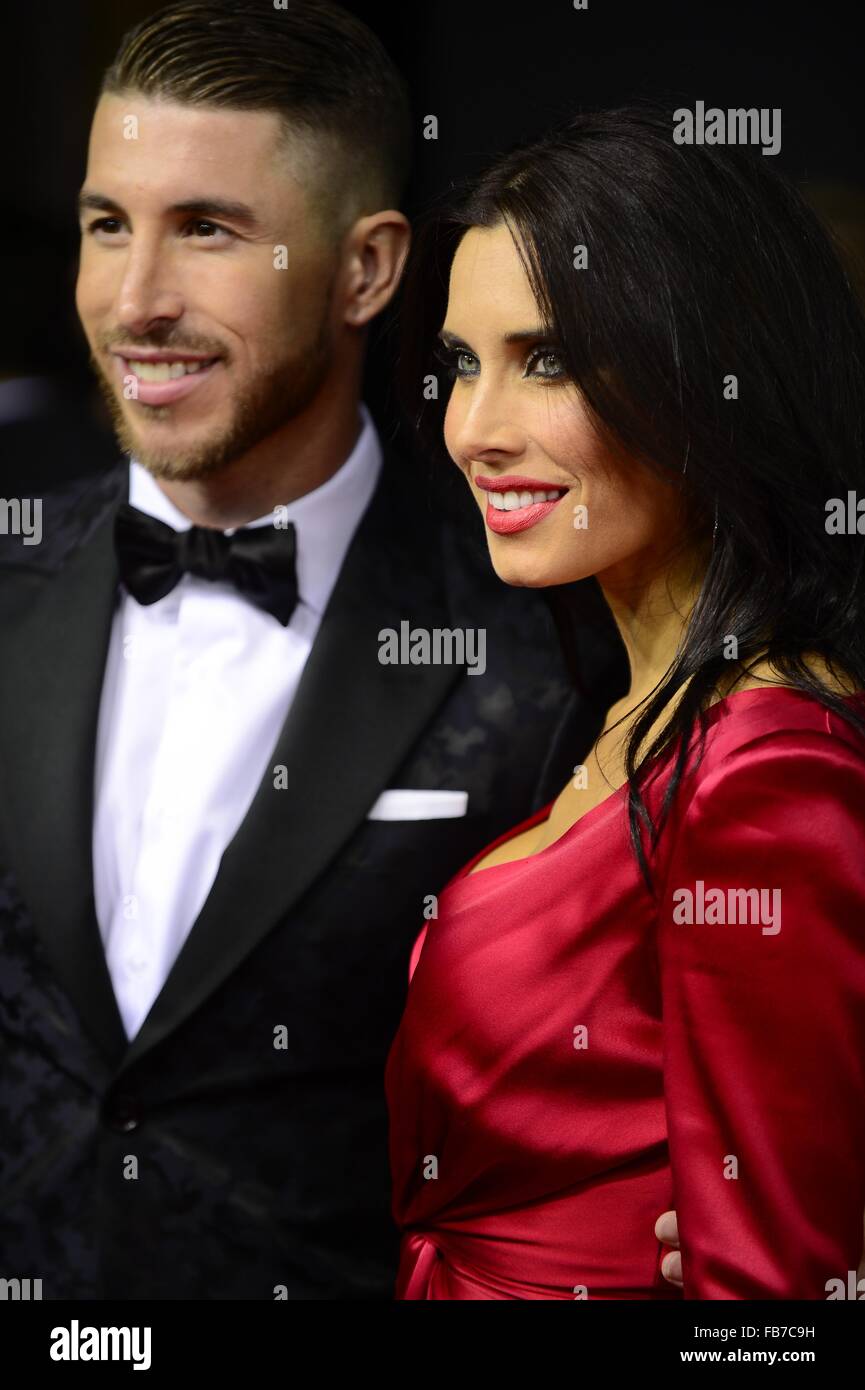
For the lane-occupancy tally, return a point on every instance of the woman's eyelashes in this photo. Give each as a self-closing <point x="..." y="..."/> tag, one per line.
<point x="463" y="365"/>
<point x="453" y="357"/>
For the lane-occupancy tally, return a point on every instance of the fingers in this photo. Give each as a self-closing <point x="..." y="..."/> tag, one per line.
<point x="667" y="1232"/>
<point x="671" y="1268"/>
<point x="667" y="1229"/>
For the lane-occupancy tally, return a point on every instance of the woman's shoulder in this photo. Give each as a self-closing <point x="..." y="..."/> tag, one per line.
<point x="779" y="773"/>
<point x="778" y="790"/>
<point x="760" y="674"/>
<point x="763" y="716"/>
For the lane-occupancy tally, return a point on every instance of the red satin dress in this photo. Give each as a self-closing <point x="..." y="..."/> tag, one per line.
<point x="576" y="1058"/>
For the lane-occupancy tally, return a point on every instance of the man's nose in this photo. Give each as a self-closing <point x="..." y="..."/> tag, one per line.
<point x="146" y="291"/>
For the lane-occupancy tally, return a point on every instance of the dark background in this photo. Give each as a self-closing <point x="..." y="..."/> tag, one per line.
<point x="492" y="73"/>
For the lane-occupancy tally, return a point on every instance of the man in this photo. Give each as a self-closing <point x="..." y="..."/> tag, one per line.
<point x="223" y="817"/>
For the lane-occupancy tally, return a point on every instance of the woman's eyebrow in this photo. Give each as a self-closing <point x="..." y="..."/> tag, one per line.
<point x="528" y="335"/>
<point x="451" y="340"/>
<point x="525" y="335"/>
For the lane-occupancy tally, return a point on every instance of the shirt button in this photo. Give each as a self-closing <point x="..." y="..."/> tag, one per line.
<point x="123" y="1113"/>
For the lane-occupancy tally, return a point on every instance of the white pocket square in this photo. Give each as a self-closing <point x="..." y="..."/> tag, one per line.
<point x="419" y="805"/>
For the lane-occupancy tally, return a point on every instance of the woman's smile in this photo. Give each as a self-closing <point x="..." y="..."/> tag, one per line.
<point x="514" y="503"/>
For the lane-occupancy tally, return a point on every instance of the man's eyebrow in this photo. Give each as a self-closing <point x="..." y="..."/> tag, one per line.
<point x="202" y="206"/>
<point x="524" y="335"/>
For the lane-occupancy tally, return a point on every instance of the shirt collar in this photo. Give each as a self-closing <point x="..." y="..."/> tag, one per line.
<point x="326" y="518"/>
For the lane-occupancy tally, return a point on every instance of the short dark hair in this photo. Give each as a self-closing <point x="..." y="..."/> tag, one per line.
<point x="318" y="68"/>
<point x="703" y="263"/>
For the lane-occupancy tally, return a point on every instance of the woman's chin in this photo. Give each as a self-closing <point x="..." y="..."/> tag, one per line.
<point x="523" y="571"/>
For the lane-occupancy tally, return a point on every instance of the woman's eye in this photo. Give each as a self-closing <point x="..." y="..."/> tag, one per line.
<point x="549" y="361"/>
<point x="459" y="363"/>
<point x="463" y="361"/>
<point x="463" y="365"/>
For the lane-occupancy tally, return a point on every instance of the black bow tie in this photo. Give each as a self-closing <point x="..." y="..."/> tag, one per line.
<point x="258" y="560"/>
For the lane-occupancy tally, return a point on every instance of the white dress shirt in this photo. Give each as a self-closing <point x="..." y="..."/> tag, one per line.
<point x="196" y="689"/>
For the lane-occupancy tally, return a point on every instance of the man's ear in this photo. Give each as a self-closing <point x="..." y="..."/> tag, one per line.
<point x="375" y="256"/>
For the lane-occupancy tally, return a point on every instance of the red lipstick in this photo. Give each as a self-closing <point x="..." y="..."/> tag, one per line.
<point x="515" y="482"/>
<point x="506" y="523"/>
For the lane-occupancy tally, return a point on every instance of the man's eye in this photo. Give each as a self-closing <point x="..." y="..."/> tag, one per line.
<point x="199" y="227"/>
<point x="102" y="224"/>
<point x="213" y="228"/>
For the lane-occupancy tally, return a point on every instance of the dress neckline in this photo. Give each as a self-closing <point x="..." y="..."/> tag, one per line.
<point x="541" y="815"/>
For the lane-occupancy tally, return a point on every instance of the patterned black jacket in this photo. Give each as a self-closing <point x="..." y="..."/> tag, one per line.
<point x="259" y="1168"/>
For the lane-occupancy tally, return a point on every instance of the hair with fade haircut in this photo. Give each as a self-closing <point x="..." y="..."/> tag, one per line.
<point x="342" y="104"/>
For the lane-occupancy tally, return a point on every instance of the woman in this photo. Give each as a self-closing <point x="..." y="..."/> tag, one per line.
<point x="651" y="994"/>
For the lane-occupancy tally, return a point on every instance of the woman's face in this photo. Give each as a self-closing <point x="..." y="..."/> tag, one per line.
<point x="558" y="505"/>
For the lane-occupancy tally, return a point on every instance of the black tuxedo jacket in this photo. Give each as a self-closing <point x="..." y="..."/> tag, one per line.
<point x="201" y="1160"/>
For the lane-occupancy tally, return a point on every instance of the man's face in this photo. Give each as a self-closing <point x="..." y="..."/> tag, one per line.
<point x="166" y="269"/>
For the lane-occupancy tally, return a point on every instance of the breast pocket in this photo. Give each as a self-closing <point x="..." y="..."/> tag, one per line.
<point x="411" y="805"/>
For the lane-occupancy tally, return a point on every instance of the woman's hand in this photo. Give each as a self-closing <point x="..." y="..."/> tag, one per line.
<point x="667" y="1232"/>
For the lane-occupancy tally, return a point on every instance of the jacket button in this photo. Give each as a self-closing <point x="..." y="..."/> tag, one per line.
<point x="123" y="1113"/>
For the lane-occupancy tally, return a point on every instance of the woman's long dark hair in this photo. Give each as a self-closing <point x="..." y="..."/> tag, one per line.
<point x="702" y="263"/>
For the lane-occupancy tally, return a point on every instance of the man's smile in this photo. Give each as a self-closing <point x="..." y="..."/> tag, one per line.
<point x="162" y="376"/>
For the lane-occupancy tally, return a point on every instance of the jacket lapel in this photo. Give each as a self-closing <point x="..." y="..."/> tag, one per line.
<point x="352" y="722"/>
<point x="55" y="644"/>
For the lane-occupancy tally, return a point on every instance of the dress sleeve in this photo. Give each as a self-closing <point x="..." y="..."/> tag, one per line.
<point x="763" y="990"/>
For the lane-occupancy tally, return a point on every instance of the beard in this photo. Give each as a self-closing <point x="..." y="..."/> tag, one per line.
<point x="277" y="395"/>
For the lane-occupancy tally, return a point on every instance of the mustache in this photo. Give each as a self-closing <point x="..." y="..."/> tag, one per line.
<point x="162" y="343"/>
